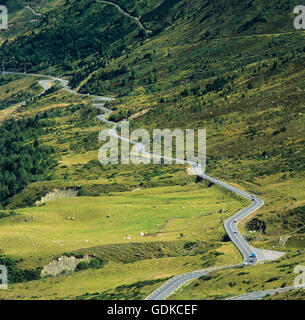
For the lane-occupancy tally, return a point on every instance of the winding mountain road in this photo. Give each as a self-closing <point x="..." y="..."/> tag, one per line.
<point x="126" y="14"/>
<point x="34" y="12"/>
<point x="230" y="224"/>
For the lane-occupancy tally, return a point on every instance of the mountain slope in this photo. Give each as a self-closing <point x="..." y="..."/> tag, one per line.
<point x="233" y="67"/>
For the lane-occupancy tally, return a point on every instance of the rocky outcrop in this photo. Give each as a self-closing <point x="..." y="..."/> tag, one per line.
<point x="58" y="194"/>
<point x="62" y="264"/>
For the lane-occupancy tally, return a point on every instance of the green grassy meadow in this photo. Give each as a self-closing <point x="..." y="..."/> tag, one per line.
<point x="170" y="217"/>
<point x="201" y="67"/>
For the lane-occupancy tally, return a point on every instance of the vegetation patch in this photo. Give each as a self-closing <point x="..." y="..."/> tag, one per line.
<point x="16" y="274"/>
<point x="256" y="225"/>
<point x="132" y="252"/>
<point x="23" y="160"/>
<point x="132" y="291"/>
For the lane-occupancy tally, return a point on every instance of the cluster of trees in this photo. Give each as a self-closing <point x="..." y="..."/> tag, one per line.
<point x="80" y="31"/>
<point x="215" y="86"/>
<point x="97" y="82"/>
<point x="22" y="160"/>
<point x="87" y="69"/>
<point x="294" y="218"/>
<point x="109" y="75"/>
<point x="73" y="32"/>
<point x="18" y="275"/>
<point x="14" y="5"/>
<point x="218" y="84"/>
<point x="120" y="115"/>
<point x="160" y="15"/>
<point x="93" y="264"/>
<point x="257" y="225"/>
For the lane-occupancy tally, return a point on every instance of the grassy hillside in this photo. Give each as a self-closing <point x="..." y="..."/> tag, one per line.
<point x="79" y="32"/>
<point x="233" y="67"/>
<point x="108" y="219"/>
<point x="169" y="218"/>
<point x="25" y="15"/>
<point x="225" y="284"/>
<point x="290" y="295"/>
<point x="16" y="89"/>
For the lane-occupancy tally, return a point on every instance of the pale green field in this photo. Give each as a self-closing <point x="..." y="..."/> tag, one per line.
<point x="10" y="97"/>
<point x="39" y="234"/>
<point x="45" y="231"/>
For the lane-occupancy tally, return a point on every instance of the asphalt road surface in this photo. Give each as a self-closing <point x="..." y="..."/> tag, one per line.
<point x="262" y="294"/>
<point x="230" y="226"/>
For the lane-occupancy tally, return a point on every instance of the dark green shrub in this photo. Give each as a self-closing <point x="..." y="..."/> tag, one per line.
<point x="95" y="263"/>
<point x="82" y="266"/>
